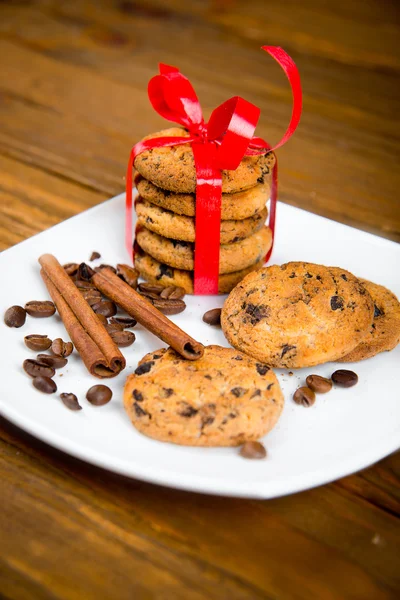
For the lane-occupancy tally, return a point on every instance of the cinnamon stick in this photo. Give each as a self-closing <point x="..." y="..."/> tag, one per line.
<point x="99" y="353"/>
<point x="145" y="313"/>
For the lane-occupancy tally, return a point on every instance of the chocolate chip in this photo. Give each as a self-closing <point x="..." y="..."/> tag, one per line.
<point x="213" y="316"/>
<point x="123" y="338"/>
<point x="238" y="391"/>
<point x="377" y="312"/>
<point x="286" y="349"/>
<point x="167" y="392"/>
<point x="343" y="276"/>
<point x="57" y="362"/>
<point x="144" y="368"/>
<point x="319" y="384"/>
<point x="40" y="308"/>
<point x="70" y="401"/>
<point x="94" y="256"/>
<point x="37" y="342"/>
<point x="85" y="272"/>
<point x="137" y="395"/>
<point x="34" y="368"/>
<point x="208" y="377"/>
<point x="344" y="378"/>
<point x="98" y="395"/>
<point x="262" y="369"/>
<point x="139" y="410"/>
<point x="188" y="411"/>
<point x="128" y="274"/>
<point x="269" y="386"/>
<point x="337" y="303"/>
<point x="237" y="357"/>
<point x="44" y="384"/>
<point x="253" y="450"/>
<point x="180" y="243"/>
<point x="61" y="348"/>
<point x="207" y="421"/>
<point x="164" y="271"/>
<point x="304" y="396"/>
<point x="257" y="312"/>
<point x="292" y="275"/>
<point x="105" y="307"/>
<point x="308" y="275"/>
<point x="319" y="277"/>
<point x="15" y="316"/>
<point x="256" y="393"/>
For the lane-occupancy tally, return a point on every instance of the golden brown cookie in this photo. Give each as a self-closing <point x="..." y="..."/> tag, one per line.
<point x="170" y="225"/>
<point x="224" y="398"/>
<point x="172" y="168"/>
<point x="233" y="206"/>
<point x="298" y="314"/>
<point x="156" y="272"/>
<point x="385" y="331"/>
<point x="180" y="255"/>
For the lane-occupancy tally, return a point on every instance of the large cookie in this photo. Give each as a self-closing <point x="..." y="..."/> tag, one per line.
<point x="172" y="168"/>
<point x="224" y="398"/>
<point x="168" y="224"/>
<point x="233" y="206"/>
<point x="298" y="314"/>
<point x="159" y="273"/>
<point x="385" y="331"/>
<point x="180" y="255"/>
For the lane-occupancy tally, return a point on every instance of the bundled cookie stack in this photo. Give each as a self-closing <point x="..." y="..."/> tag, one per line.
<point x="166" y="207"/>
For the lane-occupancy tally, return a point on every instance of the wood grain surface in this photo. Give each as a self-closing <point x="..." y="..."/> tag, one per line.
<point x="72" y="102"/>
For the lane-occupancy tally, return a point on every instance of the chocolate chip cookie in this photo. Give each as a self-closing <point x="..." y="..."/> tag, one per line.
<point x="179" y="254"/>
<point x="385" y="330"/>
<point x="168" y="224"/>
<point x="222" y="399"/>
<point x="155" y="272"/>
<point x="233" y="206"/>
<point x="298" y="314"/>
<point x="172" y="168"/>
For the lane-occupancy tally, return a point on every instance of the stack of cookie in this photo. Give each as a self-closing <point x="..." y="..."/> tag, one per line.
<point x="166" y="207"/>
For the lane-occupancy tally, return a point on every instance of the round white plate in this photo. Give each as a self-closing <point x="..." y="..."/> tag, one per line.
<point x="344" y="431"/>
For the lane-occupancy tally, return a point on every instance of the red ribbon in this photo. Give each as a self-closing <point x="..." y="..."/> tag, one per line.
<point x="217" y="145"/>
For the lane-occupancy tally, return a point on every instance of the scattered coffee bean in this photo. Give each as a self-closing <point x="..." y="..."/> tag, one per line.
<point x="85" y="272"/>
<point x="61" y="348"/>
<point x="213" y="316"/>
<point x="98" y="395"/>
<point x="94" y="256"/>
<point x="169" y="307"/>
<point x="102" y="319"/>
<point x="150" y="287"/>
<point x="253" y="450"/>
<point x="57" y="362"/>
<point x="92" y="296"/>
<point x="319" y="384"/>
<point x="105" y="307"/>
<point x="34" y="368"/>
<point x="128" y="274"/>
<point x="71" y="268"/>
<point x="173" y="293"/>
<point x="100" y="267"/>
<point x="37" y="342"/>
<point x="15" y="316"/>
<point x="150" y="295"/>
<point x="344" y="378"/>
<point x="84" y="285"/>
<point x="40" y="308"/>
<point x="70" y="401"/>
<point x="304" y="396"/>
<point x="126" y="322"/>
<point x="112" y="327"/>
<point x="45" y="384"/>
<point x="123" y="338"/>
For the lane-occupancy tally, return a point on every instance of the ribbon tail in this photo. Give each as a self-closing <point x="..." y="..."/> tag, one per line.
<point x="208" y="218"/>
<point x="272" y="208"/>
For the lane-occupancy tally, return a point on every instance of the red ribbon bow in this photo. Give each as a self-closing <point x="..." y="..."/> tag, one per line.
<point x="217" y="145"/>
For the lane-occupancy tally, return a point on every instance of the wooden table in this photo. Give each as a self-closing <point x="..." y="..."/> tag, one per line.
<point x="72" y="101"/>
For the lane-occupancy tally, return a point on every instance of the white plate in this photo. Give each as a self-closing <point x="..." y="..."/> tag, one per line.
<point x="344" y="431"/>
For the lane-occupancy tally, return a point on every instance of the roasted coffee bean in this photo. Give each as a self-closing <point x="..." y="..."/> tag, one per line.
<point x="61" y="348"/>
<point x="40" y="308"/>
<point x="112" y="327"/>
<point x="84" y="285"/>
<point x="95" y="255"/>
<point x="45" y="384"/>
<point x="213" y="316"/>
<point x="344" y="378"/>
<point x="318" y="384"/>
<point x="304" y="396"/>
<point x="126" y="322"/>
<point x="150" y="287"/>
<point x="253" y="450"/>
<point x="98" y="395"/>
<point x="70" y="401"/>
<point x="15" y="316"/>
<point x="37" y="342"/>
<point x="71" y="268"/>
<point x="85" y="272"/>
<point x="150" y="295"/>
<point x="100" y="267"/>
<point x="34" y="368"/>
<point x="102" y="319"/>
<point x="105" y="307"/>
<point x="123" y="338"/>
<point x="173" y="292"/>
<point x="91" y="296"/>
<point x="57" y="362"/>
<point x="169" y="307"/>
<point x="128" y="274"/>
